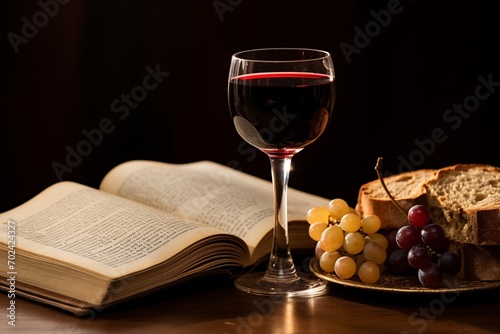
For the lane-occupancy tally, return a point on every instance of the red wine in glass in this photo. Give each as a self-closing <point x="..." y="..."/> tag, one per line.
<point x="281" y="100"/>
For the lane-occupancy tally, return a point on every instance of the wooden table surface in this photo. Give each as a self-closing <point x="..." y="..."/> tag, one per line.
<point x="213" y="305"/>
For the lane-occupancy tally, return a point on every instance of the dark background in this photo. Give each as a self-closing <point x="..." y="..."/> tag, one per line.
<point x="391" y="93"/>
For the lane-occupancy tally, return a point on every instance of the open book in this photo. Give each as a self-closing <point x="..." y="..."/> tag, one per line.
<point x="149" y="225"/>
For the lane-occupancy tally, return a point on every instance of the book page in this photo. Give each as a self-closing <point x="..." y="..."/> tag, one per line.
<point x="90" y="229"/>
<point x="209" y="193"/>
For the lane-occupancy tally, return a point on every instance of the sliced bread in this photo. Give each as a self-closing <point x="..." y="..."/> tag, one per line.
<point x="407" y="189"/>
<point x="479" y="263"/>
<point x="465" y="199"/>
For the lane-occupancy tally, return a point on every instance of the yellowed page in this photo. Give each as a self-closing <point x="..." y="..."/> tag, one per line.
<point x="211" y="193"/>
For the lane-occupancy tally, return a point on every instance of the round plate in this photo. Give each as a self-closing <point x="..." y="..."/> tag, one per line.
<point x="405" y="284"/>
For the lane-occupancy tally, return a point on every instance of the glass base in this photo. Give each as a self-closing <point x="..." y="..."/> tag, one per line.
<point x="306" y="285"/>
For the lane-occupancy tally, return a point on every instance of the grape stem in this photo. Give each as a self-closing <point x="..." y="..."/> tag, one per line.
<point x="378" y="169"/>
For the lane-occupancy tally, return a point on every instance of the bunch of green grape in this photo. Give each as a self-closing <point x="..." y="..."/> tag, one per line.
<point x="347" y="245"/>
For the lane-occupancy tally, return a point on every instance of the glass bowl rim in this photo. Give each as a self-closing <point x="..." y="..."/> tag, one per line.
<point x="322" y="54"/>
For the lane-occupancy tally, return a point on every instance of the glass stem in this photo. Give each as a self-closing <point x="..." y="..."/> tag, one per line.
<point x="281" y="267"/>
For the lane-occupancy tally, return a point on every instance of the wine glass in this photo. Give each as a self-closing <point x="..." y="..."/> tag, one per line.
<point x="281" y="100"/>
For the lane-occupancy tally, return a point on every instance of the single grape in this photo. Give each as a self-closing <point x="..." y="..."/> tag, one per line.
<point x="419" y="256"/>
<point x="450" y="263"/>
<point x="419" y="215"/>
<point x="370" y="224"/>
<point x="381" y="266"/>
<point x="318" y="251"/>
<point x="345" y="267"/>
<point x="397" y="262"/>
<point x="369" y="272"/>
<point x="392" y="245"/>
<point x="408" y="236"/>
<point x="332" y="238"/>
<point x="433" y="236"/>
<point x="360" y="259"/>
<point x="374" y="252"/>
<point x="443" y="247"/>
<point x="350" y="222"/>
<point x="315" y="230"/>
<point x="327" y="261"/>
<point x="379" y="238"/>
<point x="338" y="208"/>
<point x="354" y="242"/>
<point x="318" y="214"/>
<point x="431" y="276"/>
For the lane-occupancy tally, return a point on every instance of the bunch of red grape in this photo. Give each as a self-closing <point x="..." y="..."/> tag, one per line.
<point x="423" y="247"/>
